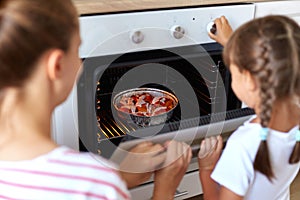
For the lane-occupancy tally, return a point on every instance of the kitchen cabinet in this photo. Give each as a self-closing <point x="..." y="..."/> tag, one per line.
<point x="103" y="6"/>
<point x="287" y="8"/>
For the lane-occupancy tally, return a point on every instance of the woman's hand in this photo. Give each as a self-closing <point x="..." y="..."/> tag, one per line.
<point x="209" y="153"/>
<point x="140" y="163"/>
<point x="167" y="179"/>
<point x="224" y="31"/>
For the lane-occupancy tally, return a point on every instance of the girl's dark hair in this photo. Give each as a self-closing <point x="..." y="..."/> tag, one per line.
<point x="268" y="48"/>
<point x="28" y="28"/>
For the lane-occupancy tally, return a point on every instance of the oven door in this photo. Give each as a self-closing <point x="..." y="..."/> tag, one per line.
<point x="195" y="74"/>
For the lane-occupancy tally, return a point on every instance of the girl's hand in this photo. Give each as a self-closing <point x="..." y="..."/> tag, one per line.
<point x="224" y="31"/>
<point x="209" y="153"/>
<point x="167" y="179"/>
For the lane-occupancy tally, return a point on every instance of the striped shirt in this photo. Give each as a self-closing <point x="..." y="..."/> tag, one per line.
<point x="62" y="174"/>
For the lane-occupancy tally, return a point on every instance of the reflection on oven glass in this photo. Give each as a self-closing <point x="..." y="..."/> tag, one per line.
<point x="205" y="86"/>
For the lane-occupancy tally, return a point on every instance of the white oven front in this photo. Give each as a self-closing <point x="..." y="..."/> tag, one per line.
<point x="115" y="44"/>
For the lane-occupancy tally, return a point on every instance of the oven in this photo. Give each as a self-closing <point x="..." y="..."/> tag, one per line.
<point x="166" y="49"/>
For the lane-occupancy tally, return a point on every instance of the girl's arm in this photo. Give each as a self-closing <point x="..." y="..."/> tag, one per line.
<point x="208" y="156"/>
<point x="224" y="31"/>
<point x="212" y="191"/>
<point x="226" y="194"/>
<point x="210" y="188"/>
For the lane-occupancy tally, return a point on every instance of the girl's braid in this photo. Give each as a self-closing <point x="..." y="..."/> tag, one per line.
<point x="265" y="76"/>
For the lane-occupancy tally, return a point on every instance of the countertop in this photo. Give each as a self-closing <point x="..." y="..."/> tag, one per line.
<point x="112" y="6"/>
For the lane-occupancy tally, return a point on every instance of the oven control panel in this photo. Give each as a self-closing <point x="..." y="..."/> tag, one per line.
<point x="119" y="33"/>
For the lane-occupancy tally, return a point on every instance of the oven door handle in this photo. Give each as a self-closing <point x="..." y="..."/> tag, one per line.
<point x="180" y="194"/>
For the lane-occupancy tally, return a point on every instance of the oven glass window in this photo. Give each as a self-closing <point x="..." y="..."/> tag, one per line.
<point x="194" y="74"/>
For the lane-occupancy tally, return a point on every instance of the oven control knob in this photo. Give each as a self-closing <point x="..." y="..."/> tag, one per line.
<point x="177" y="31"/>
<point x="137" y="36"/>
<point x="211" y="27"/>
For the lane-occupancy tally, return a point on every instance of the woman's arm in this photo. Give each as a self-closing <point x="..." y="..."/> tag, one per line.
<point x="140" y="163"/>
<point x="167" y="179"/>
<point x="169" y="162"/>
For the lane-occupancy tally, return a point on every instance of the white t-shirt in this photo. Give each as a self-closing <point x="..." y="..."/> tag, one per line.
<point x="235" y="169"/>
<point x="62" y="174"/>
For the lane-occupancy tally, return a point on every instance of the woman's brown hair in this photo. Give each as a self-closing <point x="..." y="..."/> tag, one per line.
<point x="268" y="48"/>
<point x="28" y="28"/>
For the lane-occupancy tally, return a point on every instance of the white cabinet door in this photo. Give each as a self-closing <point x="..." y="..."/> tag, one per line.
<point x="290" y="8"/>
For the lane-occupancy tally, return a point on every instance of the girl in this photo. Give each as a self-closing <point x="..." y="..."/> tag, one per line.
<point x="39" y="41"/>
<point x="261" y="157"/>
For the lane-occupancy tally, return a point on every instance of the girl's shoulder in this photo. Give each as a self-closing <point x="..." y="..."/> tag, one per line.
<point x="247" y="131"/>
<point x="250" y="131"/>
<point x="246" y="137"/>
